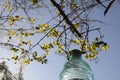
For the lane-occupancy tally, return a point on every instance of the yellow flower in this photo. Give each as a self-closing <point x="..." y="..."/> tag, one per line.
<point x="11" y="22"/>
<point x="15" y="62"/>
<point x="73" y="5"/>
<point x="24" y="34"/>
<point x="31" y="34"/>
<point x="92" y="49"/>
<point x="86" y="42"/>
<point x="104" y="48"/>
<point x="44" y="25"/>
<point x="90" y="56"/>
<point x="15" y="57"/>
<point x="77" y="41"/>
<point x="4" y="5"/>
<point x="58" y="13"/>
<point x="19" y="38"/>
<point x="29" y="41"/>
<point x="26" y="61"/>
<point x="14" y="49"/>
<point x="9" y="7"/>
<point x="59" y="45"/>
<point x="46" y="47"/>
<point x="22" y="17"/>
<point x="76" y="25"/>
<point x="38" y="58"/>
<point x="13" y="19"/>
<point x="59" y="51"/>
<point x="87" y="56"/>
<point x="34" y="2"/>
<point x="32" y="20"/>
<point x="11" y="33"/>
<point x="16" y="18"/>
<point x="37" y="31"/>
<point x="53" y="42"/>
<point x="53" y="33"/>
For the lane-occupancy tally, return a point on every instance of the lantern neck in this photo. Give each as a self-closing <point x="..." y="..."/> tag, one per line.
<point x="75" y="54"/>
<point x="75" y="57"/>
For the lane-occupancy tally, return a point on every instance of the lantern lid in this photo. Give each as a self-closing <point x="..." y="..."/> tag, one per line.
<point x="75" y="53"/>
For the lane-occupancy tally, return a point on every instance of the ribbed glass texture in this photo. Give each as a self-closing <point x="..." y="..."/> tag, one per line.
<point x="76" y="69"/>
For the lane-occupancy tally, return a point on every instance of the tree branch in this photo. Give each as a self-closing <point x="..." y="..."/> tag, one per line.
<point x="108" y="7"/>
<point x="65" y="17"/>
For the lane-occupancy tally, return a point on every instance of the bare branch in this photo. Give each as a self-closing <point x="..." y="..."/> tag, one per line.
<point x="108" y="7"/>
<point x="66" y="18"/>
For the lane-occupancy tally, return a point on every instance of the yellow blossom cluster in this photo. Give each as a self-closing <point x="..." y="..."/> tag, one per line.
<point x="42" y="28"/>
<point x="104" y="47"/>
<point x="13" y="19"/>
<point x="32" y="20"/>
<point x="90" y="56"/>
<point x="39" y="58"/>
<point x="53" y="33"/>
<point x="20" y="58"/>
<point x="46" y="47"/>
<point x="11" y="33"/>
<point x="28" y="42"/>
<point x="91" y="48"/>
<point x="14" y="56"/>
<point x="14" y="49"/>
<point x="73" y="5"/>
<point x="36" y="57"/>
<point x="59" y="46"/>
<point x="26" y="34"/>
<point x="76" y="25"/>
<point x="58" y="13"/>
<point x="26" y="61"/>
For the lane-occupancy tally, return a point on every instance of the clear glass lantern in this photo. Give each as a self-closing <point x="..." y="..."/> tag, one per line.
<point x="76" y="68"/>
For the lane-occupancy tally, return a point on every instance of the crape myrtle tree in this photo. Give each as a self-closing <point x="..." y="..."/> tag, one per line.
<point x="32" y="28"/>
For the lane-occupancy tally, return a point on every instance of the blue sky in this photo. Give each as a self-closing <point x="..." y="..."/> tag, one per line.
<point x="108" y="65"/>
